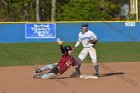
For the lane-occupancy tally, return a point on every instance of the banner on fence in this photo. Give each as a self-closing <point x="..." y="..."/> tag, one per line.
<point x="39" y="31"/>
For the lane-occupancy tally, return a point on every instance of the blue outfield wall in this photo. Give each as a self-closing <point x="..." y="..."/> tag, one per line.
<point x="68" y="32"/>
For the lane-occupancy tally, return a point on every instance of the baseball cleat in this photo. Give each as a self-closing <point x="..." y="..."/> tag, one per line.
<point x="97" y="74"/>
<point x="38" y="71"/>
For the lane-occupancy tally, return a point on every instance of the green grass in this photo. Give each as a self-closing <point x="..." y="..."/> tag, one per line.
<point x="119" y="52"/>
<point x="15" y="54"/>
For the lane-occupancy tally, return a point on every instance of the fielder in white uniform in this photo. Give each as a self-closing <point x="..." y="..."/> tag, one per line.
<point x="88" y="40"/>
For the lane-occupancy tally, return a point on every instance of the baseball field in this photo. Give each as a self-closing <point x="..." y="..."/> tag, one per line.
<point x="119" y="69"/>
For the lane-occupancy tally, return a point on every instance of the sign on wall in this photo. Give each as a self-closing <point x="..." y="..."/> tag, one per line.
<point x="40" y="31"/>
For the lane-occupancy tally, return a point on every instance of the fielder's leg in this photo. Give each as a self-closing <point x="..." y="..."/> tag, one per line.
<point x="93" y="56"/>
<point x="77" y="71"/>
<point x="80" y="58"/>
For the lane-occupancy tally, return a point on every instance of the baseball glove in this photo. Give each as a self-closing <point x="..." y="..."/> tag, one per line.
<point x="94" y="41"/>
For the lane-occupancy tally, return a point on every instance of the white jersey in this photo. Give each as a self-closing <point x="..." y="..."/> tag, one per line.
<point x="85" y="37"/>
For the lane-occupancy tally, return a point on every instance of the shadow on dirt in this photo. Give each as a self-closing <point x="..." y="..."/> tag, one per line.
<point x="111" y="74"/>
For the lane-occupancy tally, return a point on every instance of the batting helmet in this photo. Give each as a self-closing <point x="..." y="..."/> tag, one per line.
<point x="84" y="24"/>
<point x="67" y="48"/>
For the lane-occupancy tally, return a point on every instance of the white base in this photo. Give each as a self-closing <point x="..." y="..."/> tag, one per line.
<point x="88" y="77"/>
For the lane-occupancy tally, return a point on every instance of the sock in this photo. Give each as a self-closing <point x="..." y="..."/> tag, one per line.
<point x="97" y="68"/>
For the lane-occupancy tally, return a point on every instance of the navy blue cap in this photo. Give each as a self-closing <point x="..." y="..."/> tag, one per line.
<point x="84" y="24"/>
<point x="67" y="48"/>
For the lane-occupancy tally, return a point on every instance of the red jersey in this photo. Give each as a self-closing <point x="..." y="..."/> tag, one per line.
<point x="65" y="62"/>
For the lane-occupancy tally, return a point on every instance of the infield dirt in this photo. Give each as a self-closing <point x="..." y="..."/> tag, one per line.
<point x="115" y="78"/>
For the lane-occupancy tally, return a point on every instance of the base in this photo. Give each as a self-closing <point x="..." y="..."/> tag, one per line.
<point x="88" y="77"/>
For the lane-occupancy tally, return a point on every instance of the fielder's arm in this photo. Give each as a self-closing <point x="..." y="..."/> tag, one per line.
<point x="78" y="42"/>
<point x="76" y="45"/>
